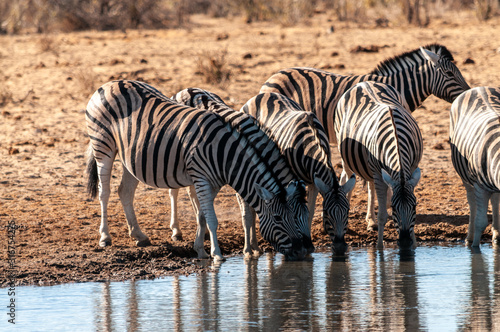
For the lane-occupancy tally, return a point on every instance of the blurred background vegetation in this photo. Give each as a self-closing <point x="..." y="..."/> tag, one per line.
<point x="44" y="16"/>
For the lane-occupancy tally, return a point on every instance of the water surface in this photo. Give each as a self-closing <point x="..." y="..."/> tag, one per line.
<point x="439" y="288"/>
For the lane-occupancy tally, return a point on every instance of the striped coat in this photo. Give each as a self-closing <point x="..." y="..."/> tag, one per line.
<point x="475" y="151"/>
<point x="166" y="145"/>
<point x="380" y="141"/>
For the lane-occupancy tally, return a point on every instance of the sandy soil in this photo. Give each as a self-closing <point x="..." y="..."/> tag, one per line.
<point x="43" y="136"/>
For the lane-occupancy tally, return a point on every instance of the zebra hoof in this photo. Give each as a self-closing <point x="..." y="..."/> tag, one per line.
<point x="257" y="253"/>
<point x="218" y="259"/>
<point x="495" y="238"/>
<point x="203" y="255"/>
<point x="143" y="243"/>
<point x="177" y="237"/>
<point x="105" y="243"/>
<point x="252" y="255"/>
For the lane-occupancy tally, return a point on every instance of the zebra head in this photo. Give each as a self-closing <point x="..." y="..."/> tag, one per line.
<point x="404" y="204"/>
<point x="336" y="211"/>
<point x="448" y="82"/>
<point x="284" y="221"/>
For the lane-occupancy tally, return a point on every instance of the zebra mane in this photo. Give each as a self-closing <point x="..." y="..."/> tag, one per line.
<point x="242" y="123"/>
<point x="390" y="65"/>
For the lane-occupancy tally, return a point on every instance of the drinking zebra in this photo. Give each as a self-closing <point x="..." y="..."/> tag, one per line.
<point x="302" y="140"/>
<point x="475" y="151"/>
<point x="167" y="145"/>
<point x="380" y="141"/>
<point x="415" y="75"/>
<point x="267" y="148"/>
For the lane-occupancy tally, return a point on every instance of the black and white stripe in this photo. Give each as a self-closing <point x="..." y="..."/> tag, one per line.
<point x="167" y="145"/>
<point x="266" y="147"/>
<point x="380" y="141"/>
<point x="302" y="140"/>
<point x="415" y="75"/>
<point x="475" y="151"/>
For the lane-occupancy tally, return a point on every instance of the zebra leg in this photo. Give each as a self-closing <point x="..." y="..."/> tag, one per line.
<point x="389" y="197"/>
<point x="126" y="191"/>
<point x="381" y="191"/>
<point x="174" y="221"/>
<point x="200" y="218"/>
<point x="370" y="213"/>
<point x="481" y="219"/>
<point x="471" y="199"/>
<point x="495" y="204"/>
<point x="248" y="216"/>
<point x="104" y="173"/>
<point x="206" y="195"/>
<point x="312" y="194"/>
<point x="201" y="224"/>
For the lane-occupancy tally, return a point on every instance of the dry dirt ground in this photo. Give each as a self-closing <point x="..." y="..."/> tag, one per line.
<point x="43" y="136"/>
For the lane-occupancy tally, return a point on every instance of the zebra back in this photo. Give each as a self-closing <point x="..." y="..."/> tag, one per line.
<point x="157" y="138"/>
<point x="475" y="137"/>
<point x="415" y="75"/>
<point x="376" y="132"/>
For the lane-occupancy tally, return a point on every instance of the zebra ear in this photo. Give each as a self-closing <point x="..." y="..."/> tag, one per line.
<point x="349" y="185"/>
<point x="429" y="55"/>
<point x="291" y="188"/>
<point x="415" y="177"/>
<point x="323" y="187"/>
<point x="181" y="97"/>
<point x="387" y="179"/>
<point x="263" y="193"/>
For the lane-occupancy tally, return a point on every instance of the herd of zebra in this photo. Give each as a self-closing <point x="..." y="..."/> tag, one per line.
<point x="279" y="143"/>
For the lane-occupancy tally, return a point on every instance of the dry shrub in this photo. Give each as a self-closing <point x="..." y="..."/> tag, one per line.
<point x="87" y="81"/>
<point x="110" y="15"/>
<point x="47" y="44"/>
<point x="295" y="11"/>
<point x="213" y="67"/>
<point x="5" y="95"/>
<point x="484" y="9"/>
<point x="73" y="15"/>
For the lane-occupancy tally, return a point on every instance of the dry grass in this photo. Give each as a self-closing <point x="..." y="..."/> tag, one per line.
<point x="213" y="67"/>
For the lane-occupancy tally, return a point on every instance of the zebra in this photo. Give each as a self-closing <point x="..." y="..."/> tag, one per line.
<point x="415" y="75"/>
<point x="302" y="139"/>
<point x="167" y="145"/>
<point x="475" y="151"/>
<point x="381" y="142"/>
<point x="205" y="100"/>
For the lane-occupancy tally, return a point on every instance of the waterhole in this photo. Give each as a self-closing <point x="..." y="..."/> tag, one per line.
<point x="437" y="288"/>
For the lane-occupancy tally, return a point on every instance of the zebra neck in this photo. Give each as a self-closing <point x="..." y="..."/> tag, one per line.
<point x="243" y="166"/>
<point x="412" y="82"/>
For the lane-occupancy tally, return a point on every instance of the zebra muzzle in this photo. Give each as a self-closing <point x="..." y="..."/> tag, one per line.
<point x="339" y="245"/>
<point x="405" y="241"/>
<point x="300" y="249"/>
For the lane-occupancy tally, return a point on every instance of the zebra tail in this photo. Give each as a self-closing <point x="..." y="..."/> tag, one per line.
<point x="92" y="178"/>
